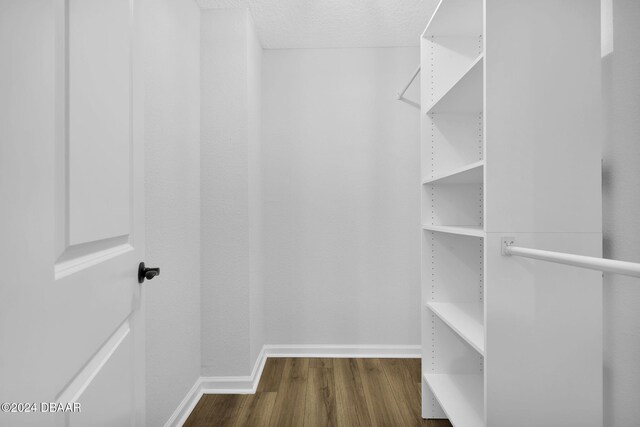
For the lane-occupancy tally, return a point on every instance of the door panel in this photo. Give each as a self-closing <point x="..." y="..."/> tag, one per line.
<point x="99" y="119"/>
<point x="94" y="132"/>
<point x="71" y="185"/>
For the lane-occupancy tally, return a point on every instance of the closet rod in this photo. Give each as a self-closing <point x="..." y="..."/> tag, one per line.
<point x="593" y="263"/>
<point x="401" y="94"/>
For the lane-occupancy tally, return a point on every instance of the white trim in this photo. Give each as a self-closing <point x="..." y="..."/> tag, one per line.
<point x="336" y="351"/>
<point x="236" y="385"/>
<point x="80" y="262"/>
<point x="83" y="379"/>
<point x="184" y="409"/>
<point x="248" y="384"/>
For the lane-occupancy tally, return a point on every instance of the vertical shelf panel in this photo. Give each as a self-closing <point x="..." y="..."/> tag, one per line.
<point x="544" y="324"/>
<point x="543" y="186"/>
<point x="452" y="167"/>
<point x="543" y="115"/>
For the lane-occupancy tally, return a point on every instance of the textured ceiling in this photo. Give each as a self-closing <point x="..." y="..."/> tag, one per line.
<point x="334" y="23"/>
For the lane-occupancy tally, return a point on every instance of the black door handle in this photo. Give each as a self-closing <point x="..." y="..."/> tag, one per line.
<point x="147" y="272"/>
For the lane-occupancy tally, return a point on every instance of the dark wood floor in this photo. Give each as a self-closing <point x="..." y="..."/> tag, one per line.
<point x="323" y="392"/>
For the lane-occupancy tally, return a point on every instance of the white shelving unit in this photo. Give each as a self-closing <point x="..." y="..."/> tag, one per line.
<point x="510" y="108"/>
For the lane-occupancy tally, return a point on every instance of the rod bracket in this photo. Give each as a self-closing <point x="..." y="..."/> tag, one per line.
<point x="506" y="242"/>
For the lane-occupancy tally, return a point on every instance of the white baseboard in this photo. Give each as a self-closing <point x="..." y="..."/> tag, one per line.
<point x="184" y="409"/>
<point x="328" y="350"/>
<point x="236" y="385"/>
<point x="248" y="384"/>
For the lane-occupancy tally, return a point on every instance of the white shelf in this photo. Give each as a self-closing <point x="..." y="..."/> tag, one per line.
<point x="464" y="230"/>
<point x="465" y="94"/>
<point x="460" y="396"/>
<point x="456" y="18"/>
<point x="468" y="174"/>
<point x="466" y="319"/>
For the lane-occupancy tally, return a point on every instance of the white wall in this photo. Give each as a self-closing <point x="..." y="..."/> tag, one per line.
<point x="230" y="193"/>
<point x="341" y="187"/>
<point x="621" y="204"/>
<point x="172" y="186"/>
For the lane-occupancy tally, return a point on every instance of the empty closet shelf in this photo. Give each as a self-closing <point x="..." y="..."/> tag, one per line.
<point x="460" y="396"/>
<point x="465" y="319"/>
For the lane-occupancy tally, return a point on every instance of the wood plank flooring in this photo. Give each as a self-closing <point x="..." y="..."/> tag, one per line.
<point x="314" y="392"/>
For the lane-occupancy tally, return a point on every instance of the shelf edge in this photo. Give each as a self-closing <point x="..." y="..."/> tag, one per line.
<point x="458" y="171"/>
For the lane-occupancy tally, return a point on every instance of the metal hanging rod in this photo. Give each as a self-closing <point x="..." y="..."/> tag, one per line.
<point x="401" y="94"/>
<point x="592" y="263"/>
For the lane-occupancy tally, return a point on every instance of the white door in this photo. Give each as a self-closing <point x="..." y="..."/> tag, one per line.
<point x="71" y="213"/>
